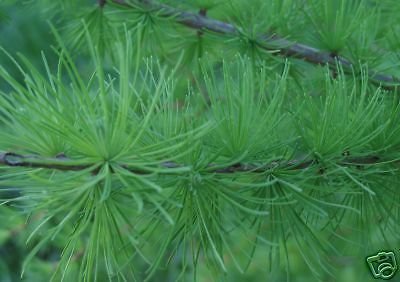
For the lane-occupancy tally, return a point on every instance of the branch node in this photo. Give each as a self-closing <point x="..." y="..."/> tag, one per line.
<point x="203" y="13"/>
<point x="101" y="3"/>
<point x="12" y="159"/>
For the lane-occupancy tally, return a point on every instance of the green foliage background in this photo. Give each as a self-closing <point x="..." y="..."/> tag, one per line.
<point x="128" y="85"/>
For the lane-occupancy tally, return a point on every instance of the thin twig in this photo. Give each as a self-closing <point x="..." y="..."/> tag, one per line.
<point x="65" y="164"/>
<point x="271" y="42"/>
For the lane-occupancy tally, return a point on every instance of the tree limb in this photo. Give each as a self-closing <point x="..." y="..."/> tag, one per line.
<point x="65" y="164"/>
<point x="269" y="42"/>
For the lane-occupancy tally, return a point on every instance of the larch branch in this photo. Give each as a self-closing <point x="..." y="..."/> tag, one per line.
<point x="270" y="42"/>
<point x="65" y="164"/>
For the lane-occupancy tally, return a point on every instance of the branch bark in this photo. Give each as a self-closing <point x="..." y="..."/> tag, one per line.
<point x="65" y="164"/>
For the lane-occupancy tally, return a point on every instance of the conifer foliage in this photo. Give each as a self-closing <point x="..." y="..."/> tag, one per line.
<point x="172" y="137"/>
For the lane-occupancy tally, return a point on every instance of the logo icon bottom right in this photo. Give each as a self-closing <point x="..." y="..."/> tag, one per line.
<point x="382" y="265"/>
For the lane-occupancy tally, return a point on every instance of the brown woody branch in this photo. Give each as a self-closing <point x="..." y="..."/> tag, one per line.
<point x="61" y="162"/>
<point x="270" y="42"/>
